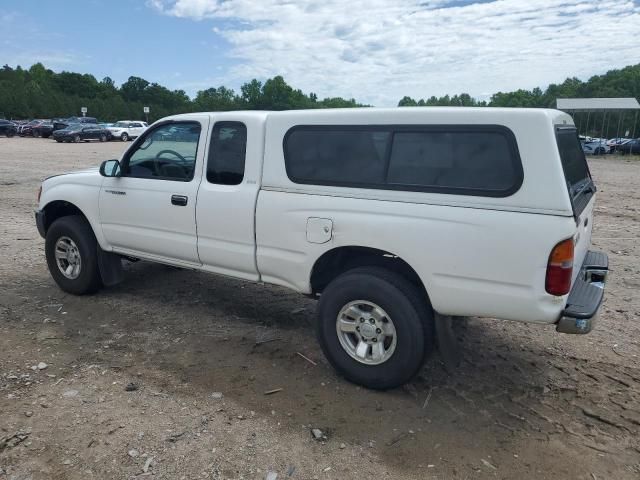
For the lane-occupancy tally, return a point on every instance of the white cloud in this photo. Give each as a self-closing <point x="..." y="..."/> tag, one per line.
<point x="380" y="50"/>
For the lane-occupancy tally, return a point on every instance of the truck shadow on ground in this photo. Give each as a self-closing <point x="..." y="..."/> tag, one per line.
<point x="244" y="339"/>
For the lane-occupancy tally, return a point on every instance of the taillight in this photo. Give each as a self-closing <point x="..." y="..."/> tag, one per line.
<point x="39" y="193"/>
<point x="560" y="268"/>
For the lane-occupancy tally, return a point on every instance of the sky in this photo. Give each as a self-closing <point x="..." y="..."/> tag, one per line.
<point x="376" y="51"/>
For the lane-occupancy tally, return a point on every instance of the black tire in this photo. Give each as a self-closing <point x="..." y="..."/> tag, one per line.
<point x="77" y="229"/>
<point x="76" y="139"/>
<point x="10" y="133"/>
<point x="37" y="134"/>
<point x="103" y="138"/>
<point x="124" y="137"/>
<point x="58" y="140"/>
<point x="402" y="301"/>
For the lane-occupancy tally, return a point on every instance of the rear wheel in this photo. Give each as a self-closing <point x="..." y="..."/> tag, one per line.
<point x="374" y="327"/>
<point x="103" y="138"/>
<point x="76" y="139"/>
<point x="71" y="251"/>
<point x="10" y="133"/>
<point x="124" y="137"/>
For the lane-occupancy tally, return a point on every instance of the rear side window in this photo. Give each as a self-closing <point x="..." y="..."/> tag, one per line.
<point x="469" y="160"/>
<point x="227" y="152"/>
<point x="576" y="170"/>
<point x="353" y="157"/>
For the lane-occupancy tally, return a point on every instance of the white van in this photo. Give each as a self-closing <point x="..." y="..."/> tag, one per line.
<point x="395" y="219"/>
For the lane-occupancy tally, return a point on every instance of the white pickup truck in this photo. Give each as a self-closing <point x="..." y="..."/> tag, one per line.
<point x="395" y="219"/>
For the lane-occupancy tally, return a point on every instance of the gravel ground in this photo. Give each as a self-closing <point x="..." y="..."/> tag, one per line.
<point x="167" y="375"/>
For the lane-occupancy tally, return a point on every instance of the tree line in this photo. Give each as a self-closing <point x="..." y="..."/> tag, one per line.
<point x="624" y="82"/>
<point x="41" y="92"/>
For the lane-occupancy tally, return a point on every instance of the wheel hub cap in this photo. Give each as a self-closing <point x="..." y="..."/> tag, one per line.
<point x="366" y="332"/>
<point x="68" y="258"/>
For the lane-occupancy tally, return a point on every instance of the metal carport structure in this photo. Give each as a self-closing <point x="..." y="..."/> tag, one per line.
<point x="607" y="106"/>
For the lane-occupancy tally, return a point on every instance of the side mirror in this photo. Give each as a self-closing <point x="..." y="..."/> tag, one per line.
<point x="110" y="168"/>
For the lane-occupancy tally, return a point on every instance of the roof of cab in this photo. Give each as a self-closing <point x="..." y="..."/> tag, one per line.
<point x="556" y="116"/>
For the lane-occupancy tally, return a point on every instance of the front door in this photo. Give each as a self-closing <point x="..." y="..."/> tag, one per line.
<point x="149" y="211"/>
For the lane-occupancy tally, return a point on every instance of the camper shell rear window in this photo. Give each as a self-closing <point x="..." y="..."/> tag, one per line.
<point x="481" y="160"/>
<point x="576" y="170"/>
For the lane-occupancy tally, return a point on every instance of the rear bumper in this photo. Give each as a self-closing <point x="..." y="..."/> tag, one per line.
<point x="583" y="304"/>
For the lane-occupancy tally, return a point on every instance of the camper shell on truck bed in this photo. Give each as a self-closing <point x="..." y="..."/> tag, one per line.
<point x="393" y="218"/>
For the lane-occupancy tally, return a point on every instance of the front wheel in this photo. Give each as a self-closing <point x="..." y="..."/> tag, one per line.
<point x="124" y="137"/>
<point x="76" y="139"/>
<point x="374" y="327"/>
<point x="72" y="255"/>
<point x="10" y="133"/>
<point x="103" y="138"/>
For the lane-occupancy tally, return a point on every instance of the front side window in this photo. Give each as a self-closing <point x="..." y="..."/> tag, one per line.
<point x="227" y="152"/>
<point x="168" y="152"/>
<point x="461" y="159"/>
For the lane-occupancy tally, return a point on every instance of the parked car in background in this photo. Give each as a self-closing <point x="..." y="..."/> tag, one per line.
<point x="43" y="130"/>
<point x="128" y="129"/>
<point x="26" y="130"/>
<point x="80" y="132"/>
<point x="632" y="146"/>
<point x="61" y="123"/>
<point x="595" y="148"/>
<point x="7" y="128"/>
<point x="617" y="143"/>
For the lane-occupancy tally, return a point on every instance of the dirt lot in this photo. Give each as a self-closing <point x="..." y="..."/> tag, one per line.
<point x="202" y="351"/>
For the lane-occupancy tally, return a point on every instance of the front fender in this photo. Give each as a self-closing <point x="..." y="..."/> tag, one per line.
<point x="84" y="196"/>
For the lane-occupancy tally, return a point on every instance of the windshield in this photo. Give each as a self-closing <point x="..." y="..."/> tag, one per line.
<point x="576" y="170"/>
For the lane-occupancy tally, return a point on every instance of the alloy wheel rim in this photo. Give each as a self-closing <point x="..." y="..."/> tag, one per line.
<point x="68" y="258"/>
<point x="366" y="332"/>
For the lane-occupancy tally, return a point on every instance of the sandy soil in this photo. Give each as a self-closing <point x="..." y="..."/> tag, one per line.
<point x="202" y="351"/>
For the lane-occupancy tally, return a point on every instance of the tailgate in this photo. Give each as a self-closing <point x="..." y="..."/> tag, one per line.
<point x="582" y="237"/>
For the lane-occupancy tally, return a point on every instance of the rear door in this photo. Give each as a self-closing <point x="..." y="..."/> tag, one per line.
<point x="89" y="133"/>
<point x="135" y="129"/>
<point x="225" y="212"/>
<point x="581" y="190"/>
